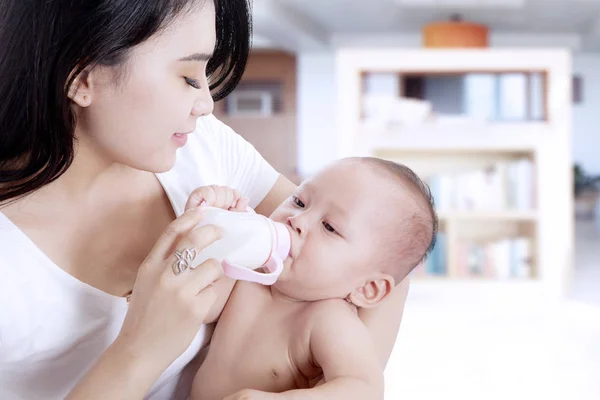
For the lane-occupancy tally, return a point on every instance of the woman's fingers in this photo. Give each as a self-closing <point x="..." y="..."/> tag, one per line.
<point x="203" y="276"/>
<point x="167" y="242"/>
<point x="203" y="236"/>
<point x="183" y="258"/>
<point x="193" y="284"/>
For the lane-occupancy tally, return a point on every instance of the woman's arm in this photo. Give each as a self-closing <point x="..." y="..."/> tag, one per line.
<point x="161" y="298"/>
<point x="118" y="374"/>
<point x="282" y="189"/>
<point x="382" y="321"/>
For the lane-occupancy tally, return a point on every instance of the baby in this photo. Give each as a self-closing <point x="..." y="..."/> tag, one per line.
<point x="358" y="228"/>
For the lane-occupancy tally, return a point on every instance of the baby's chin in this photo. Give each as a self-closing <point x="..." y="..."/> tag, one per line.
<point x="294" y="292"/>
<point x="290" y="291"/>
<point x="292" y="288"/>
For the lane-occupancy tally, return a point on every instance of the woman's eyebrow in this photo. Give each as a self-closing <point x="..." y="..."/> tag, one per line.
<point x="197" y="57"/>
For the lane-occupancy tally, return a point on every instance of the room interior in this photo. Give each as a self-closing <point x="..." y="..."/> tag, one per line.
<point x="494" y="103"/>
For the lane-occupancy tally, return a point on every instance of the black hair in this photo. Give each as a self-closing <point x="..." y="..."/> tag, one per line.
<point x="45" y="45"/>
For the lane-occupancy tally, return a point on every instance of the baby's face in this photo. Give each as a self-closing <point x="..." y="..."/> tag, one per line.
<point x="338" y="222"/>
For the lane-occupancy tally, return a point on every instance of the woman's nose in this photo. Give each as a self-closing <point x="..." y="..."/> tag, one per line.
<point x="204" y="103"/>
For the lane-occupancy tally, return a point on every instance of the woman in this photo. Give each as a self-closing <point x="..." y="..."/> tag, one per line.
<point x="105" y="132"/>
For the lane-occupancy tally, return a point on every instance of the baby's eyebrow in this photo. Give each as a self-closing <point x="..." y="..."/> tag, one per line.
<point x="341" y="211"/>
<point x="304" y="190"/>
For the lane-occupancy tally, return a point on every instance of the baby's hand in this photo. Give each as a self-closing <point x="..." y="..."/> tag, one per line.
<point x="249" y="394"/>
<point x="217" y="196"/>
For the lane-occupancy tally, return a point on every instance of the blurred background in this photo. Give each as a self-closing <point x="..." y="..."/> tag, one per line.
<point x="496" y="104"/>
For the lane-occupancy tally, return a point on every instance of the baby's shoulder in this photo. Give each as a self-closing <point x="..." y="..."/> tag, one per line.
<point x="250" y="289"/>
<point x="245" y="293"/>
<point x="333" y="305"/>
<point x="332" y="311"/>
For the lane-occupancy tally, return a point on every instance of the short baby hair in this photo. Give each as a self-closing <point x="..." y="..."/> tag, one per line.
<point x="416" y="239"/>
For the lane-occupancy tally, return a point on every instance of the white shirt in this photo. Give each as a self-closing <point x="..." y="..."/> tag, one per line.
<point x="53" y="327"/>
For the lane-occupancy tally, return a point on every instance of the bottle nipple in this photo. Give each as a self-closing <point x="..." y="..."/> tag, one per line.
<point x="284" y="241"/>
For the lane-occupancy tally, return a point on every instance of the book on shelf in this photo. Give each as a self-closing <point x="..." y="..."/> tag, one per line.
<point x="501" y="259"/>
<point x="501" y="186"/>
<point x="436" y="264"/>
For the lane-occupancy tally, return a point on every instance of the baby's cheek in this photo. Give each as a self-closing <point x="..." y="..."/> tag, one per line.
<point x="319" y="260"/>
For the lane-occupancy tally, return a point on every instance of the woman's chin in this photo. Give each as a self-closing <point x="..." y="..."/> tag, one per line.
<point x="157" y="166"/>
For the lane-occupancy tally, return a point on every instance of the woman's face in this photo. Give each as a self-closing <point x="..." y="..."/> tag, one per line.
<point x="138" y="113"/>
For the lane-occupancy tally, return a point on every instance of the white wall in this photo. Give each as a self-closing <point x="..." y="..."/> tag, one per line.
<point x="316" y="91"/>
<point x="586" y="116"/>
<point x="316" y="110"/>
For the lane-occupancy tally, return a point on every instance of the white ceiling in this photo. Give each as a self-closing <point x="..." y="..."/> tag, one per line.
<point x="308" y="24"/>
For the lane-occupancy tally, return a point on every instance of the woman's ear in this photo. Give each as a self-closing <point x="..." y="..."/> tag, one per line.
<point x="372" y="292"/>
<point x="80" y="91"/>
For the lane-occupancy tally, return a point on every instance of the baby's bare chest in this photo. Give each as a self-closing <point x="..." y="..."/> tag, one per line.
<point x="258" y="344"/>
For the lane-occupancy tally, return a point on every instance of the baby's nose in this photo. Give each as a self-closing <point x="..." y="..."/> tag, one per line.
<point x="293" y="223"/>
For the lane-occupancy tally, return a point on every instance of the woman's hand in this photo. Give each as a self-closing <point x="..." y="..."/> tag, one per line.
<point x="228" y="199"/>
<point x="167" y="310"/>
<point x="217" y="196"/>
<point x="165" y="313"/>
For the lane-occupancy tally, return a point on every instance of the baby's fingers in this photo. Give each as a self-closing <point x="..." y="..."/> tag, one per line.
<point x="203" y="194"/>
<point x="241" y="205"/>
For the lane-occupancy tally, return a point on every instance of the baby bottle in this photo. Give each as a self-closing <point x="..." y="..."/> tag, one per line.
<point x="249" y="241"/>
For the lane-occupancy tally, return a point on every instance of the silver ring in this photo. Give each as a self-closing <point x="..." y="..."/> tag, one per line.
<point x="184" y="260"/>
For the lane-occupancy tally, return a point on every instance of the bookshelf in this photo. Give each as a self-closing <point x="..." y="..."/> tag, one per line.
<point x="503" y="183"/>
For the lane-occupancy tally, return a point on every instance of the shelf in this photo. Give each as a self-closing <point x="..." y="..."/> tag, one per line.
<point x="466" y="279"/>
<point x="454" y="150"/>
<point x="461" y="138"/>
<point x="506" y="215"/>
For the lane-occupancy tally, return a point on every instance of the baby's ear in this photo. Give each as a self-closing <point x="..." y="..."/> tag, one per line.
<point x="372" y="292"/>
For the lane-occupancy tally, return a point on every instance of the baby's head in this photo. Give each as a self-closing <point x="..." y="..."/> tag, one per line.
<point x="358" y="228"/>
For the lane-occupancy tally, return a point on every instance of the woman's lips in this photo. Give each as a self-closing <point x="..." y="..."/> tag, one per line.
<point x="180" y="139"/>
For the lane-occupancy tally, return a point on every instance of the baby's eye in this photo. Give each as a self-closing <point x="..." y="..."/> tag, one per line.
<point x="298" y="202"/>
<point x="192" y="82"/>
<point x="329" y="227"/>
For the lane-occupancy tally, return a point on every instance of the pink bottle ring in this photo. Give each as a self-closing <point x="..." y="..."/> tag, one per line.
<point x="274" y="265"/>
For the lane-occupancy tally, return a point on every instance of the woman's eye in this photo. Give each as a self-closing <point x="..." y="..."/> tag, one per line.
<point x="192" y="82"/>
<point x="298" y="202"/>
<point x="329" y="227"/>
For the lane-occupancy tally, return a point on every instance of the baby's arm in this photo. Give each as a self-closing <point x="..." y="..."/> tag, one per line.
<point x="342" y="346"/>
<point x="223" y="287"/>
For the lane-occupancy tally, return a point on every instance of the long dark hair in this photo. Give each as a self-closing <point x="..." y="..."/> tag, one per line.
<point x="45" y="44"/>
